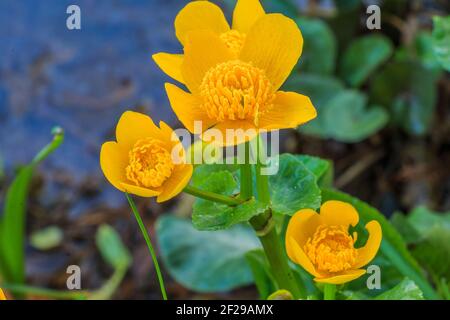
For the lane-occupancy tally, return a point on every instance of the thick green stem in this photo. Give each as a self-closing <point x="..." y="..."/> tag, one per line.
<point x="246" y="176"/>
<point x="211" y="196"/>
<point x="329" y="291"/>
<point x="270" y="239"/>
<point x="149" y="245"/>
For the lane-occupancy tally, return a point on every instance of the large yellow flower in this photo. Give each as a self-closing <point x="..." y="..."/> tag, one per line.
<point x="2" y="295"/>
<point x="234" y="75"/>
<point x="146" y="160"/>
<point x="322" y="245"/>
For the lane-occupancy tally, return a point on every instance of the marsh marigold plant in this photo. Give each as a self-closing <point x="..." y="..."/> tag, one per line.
<point x="234" y="74"/>
<point x="322" y="245"/>
<point x="141" y="161"/>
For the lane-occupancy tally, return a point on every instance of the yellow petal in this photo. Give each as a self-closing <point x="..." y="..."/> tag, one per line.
<point x="170" y="64"/>
<point x="113" y="161"/>
<point x="301" y="226"/>
<point x="140" y="191"/>
<point x="290" y="110"/>
<point x="300" y="257"/>
<point x="369" y="251"/>
<point x="343" y="277"/>
<point x="133" y="126"/>
<point x="274" y="44"/>
<point x="176" y="183"/>
<point x="188" y="109"/>
<point x="246" y="13"/>
<point x="230" y="133"/>
<point x="336" y="213"/>
<point x="2" y="295"/>
<point x="203" y="50"/>
<point x="199" y="15"/>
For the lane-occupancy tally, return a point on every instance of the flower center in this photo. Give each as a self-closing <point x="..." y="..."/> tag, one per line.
<point x="150" y="164"/>
<point x="234" y="40"/>
<point x="236" y="90"/>
<point x="331" y="249"/>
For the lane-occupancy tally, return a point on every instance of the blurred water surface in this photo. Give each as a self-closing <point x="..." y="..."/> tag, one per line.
<point x="82" y="79"/>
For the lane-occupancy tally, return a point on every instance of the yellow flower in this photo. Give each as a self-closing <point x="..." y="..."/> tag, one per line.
<point x="322" y="245"/>
<point x="2" y="295"/>
<point x="234" y="75"/>
<point x="142" y="161"/>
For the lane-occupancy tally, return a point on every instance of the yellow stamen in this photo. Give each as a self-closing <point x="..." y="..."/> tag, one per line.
<point x="331" y="249"/>
<point x="234" y="40"/>
<point x="150" y="164"/>
<point x="236" y="90"/>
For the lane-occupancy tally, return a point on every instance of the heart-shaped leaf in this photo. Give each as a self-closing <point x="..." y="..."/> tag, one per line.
<point x="205" y="261"/>
<point x="363" y="56"/>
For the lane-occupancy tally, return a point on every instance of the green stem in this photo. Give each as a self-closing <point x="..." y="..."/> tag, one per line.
<point x="109" y="287"/>
<point x="149" y="245"/>
<point x="44" y="292"/>
<point x="329" y="291"/>
<point x="58" y="138"/>
<point x="270" y="240"/>
<point x="246" y="176"/>
<point x="211" y="196"/>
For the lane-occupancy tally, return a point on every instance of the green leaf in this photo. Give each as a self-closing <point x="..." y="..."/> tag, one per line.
<point x="441" y="40"/>
<point x="364" y="56"/>
<point x="262" y="276"/>
<point x="320" y="89"/>
<point x="294" y="187"/>
<point x="432" y="247"/>
<point x="408" y="89"/>
<point x="423" y="219"/>
<point x="47" y="238"/>
<point x="205" y="261"/>
<point x="348" y="120"/>
<point x="209" y="215"/>
<point x="112" y="248"/>
<point x="286" y="7"/>
<point x="404" y="227"/>
<point x="281" y="295"/>
<point x="321" y="168"/>
<point x="12" y="223"/>
<point x="405" y="290"/>
<point x="392" y="245"/>
<point x="320" y="48"/>
<point x="202" y="172"/>
<point x="425" y="51"/>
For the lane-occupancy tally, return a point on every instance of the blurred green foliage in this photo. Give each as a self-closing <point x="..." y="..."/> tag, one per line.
<point x="396" y="80"/>
<point x="12" y="223"/>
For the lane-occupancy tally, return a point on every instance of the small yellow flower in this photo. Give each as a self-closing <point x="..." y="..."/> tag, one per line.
<point x="322" y="245"/>
<point x="234" y="75"/>
<point x="142" y="162"/>
<point x="2" y="295"/>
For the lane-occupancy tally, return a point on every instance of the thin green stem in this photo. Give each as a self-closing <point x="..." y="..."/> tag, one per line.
<point x="149" y="245"/>
<point x="329" y="291"/>
<point x="211" y="196"/>
<point x="58" y="138"/>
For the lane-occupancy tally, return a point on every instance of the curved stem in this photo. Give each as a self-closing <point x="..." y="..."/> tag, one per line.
<point x="149" y="245"/>
<point x="211" y="196"/>
<point x="58" y="138"/>
<point x="329" y="291"/>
